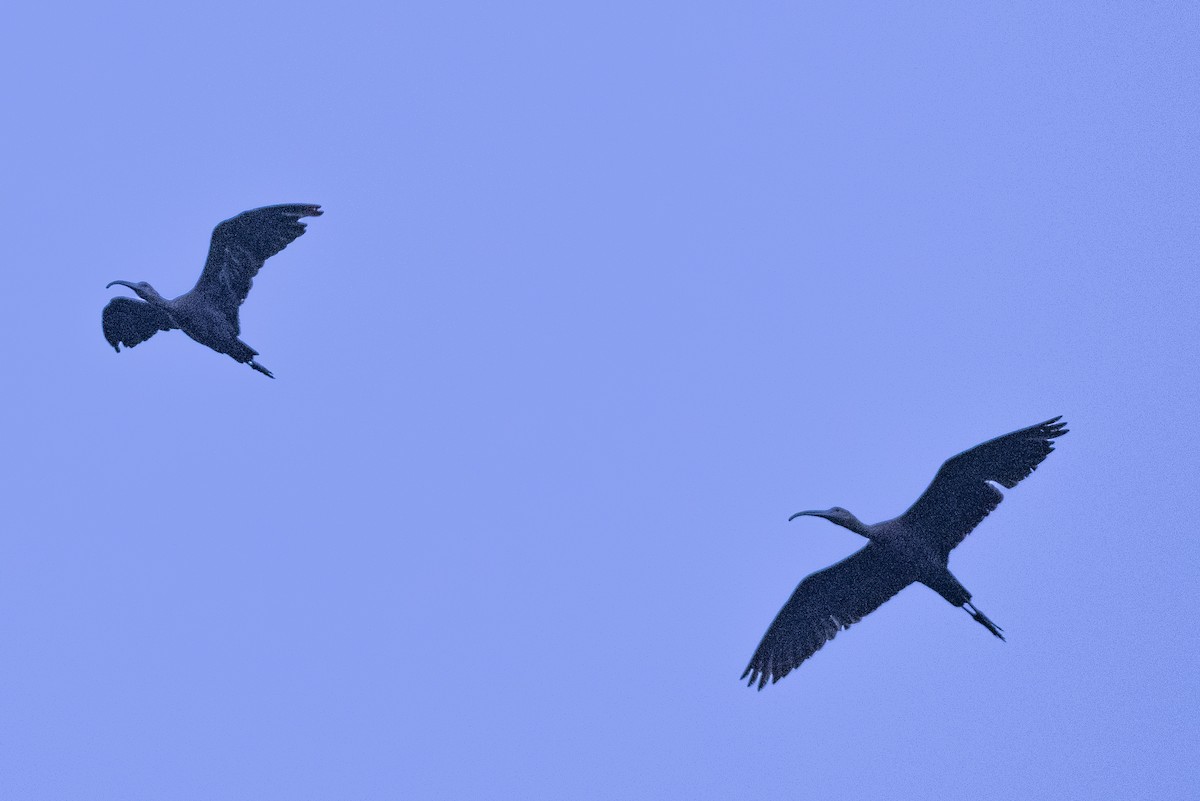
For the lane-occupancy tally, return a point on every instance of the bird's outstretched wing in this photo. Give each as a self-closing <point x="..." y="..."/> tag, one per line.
<point x="825" y="603"/>
<point x="960" y="495"/>
<point x="239" y="247"/>
<point x="130" y="322"/>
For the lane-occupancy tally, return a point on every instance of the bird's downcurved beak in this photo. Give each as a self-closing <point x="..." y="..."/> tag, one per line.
<point x="814" y="513"/>
<point x="122" y="283"/>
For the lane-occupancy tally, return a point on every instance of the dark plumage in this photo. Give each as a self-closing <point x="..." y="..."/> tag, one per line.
<point x="209" y="312"/>
<point x="914" y="547"/>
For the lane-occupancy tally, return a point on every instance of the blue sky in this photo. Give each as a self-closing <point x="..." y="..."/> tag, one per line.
<point x="602" y="295"/>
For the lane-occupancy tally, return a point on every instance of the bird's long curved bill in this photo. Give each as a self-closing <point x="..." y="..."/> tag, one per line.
<point x="122" y="283"/>
<point x="813" y="512"/>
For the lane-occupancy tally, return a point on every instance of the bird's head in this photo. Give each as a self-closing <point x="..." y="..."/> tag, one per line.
<point x="837" y="515"/>
<point x="141" y="289"/>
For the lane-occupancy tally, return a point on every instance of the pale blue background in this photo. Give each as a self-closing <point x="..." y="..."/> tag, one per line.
<point x="602" y="295"/>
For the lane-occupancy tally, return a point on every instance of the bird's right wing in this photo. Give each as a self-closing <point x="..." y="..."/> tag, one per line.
<point x="130" y="322"/>
<point x="825" y="603"/>
<point x="960" y="495"/>
<point x="239" y="247"/>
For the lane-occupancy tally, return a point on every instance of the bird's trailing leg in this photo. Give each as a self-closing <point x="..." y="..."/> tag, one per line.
<point x="241" y="352"/>
<point x="983" y="620"/>
<point x="260" y="368"/>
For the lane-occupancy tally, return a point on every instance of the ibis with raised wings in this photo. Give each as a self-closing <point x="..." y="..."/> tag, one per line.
<point x="208" y="313"/>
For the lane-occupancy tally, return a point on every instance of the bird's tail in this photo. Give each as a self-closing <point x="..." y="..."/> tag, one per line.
<point x="260" y="368"/>
<point x="983" y="620"/>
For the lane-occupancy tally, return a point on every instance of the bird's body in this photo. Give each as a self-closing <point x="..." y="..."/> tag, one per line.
<point x="914" y="547"/>
<point x="208" y="313"/>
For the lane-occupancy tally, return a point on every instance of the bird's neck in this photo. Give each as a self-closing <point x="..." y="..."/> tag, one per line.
<point x="857" y="526"/>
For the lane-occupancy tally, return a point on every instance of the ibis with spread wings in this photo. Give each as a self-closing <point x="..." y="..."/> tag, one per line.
<point x="914" y="547"/>
<point x="209" y="312"/>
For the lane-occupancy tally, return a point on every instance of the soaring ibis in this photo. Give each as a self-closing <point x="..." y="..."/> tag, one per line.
<point x="914" y="547"/>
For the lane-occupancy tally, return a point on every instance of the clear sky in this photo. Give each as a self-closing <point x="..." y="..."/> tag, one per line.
<point x="603" y="293"/>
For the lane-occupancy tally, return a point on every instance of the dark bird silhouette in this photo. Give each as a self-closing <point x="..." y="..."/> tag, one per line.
<point x="914" y="547"/>
<point x="209" y="312"/>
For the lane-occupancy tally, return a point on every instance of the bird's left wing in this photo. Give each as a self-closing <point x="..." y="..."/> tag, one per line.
<point x="825" y="603"/>
<point x="960" y="495"/>
<point x="239" y="247"/>
<point x="130" y="322"/>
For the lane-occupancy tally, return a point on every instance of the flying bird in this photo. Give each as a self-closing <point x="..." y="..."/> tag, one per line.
<point x="209" y="312"/>
<point x="914" y="547"/>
